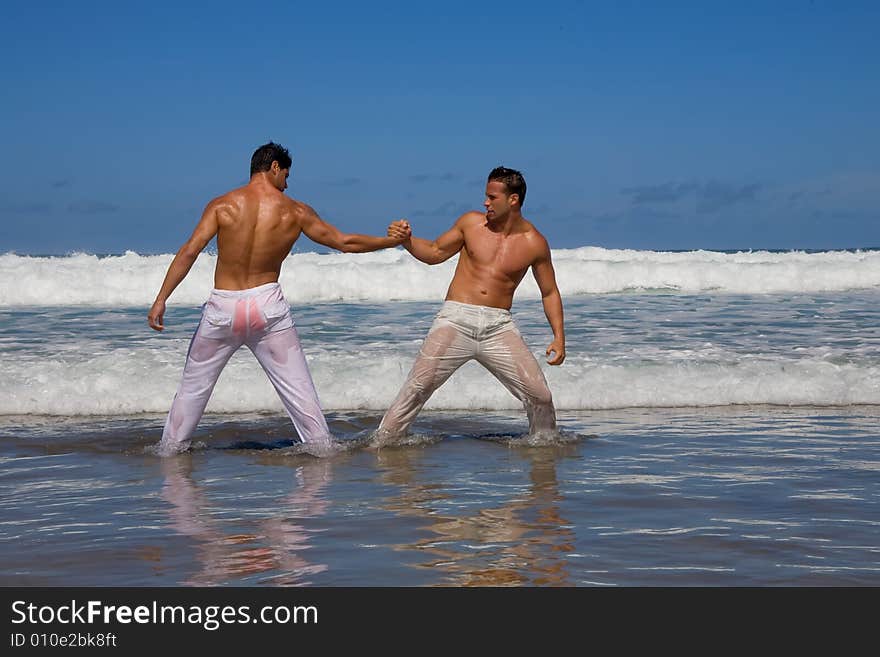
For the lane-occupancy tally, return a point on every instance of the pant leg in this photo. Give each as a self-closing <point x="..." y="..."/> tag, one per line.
<point x="508" y="358"/>
<point x="446" y="348"/>
<point x="280" y="354"/>
<point x="206" y="358"/>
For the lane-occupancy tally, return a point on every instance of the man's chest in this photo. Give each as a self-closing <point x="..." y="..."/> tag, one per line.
<point x="504" y="256"/>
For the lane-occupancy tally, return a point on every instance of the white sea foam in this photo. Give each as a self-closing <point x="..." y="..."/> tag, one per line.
<point x="133" y="280"/>
<point x="143" y="380"/>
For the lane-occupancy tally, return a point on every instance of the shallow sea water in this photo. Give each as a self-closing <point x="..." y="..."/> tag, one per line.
<point x="740" y="496"/>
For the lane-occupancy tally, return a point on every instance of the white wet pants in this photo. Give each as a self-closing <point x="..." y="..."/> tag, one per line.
<point x="462" y="332"/>
<point x="259" y="318"/>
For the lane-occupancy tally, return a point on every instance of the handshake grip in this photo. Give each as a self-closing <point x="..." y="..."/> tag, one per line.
<point x="400" y="230"/>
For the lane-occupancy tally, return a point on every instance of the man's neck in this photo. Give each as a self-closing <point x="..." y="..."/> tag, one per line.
<point x="510" y="224"/>
<point x="259" y="178"/>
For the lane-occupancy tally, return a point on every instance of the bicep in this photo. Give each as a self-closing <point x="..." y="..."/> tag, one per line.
<point x="449" y="243"/>
<point x="544" y="275"/>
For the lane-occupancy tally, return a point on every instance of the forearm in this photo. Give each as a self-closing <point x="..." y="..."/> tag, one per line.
<point x="553" y="310"/>
<point x="177" y="271"/>
<point x="354" y="243"/>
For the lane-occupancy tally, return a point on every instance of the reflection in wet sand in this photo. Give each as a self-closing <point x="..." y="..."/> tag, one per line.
<point x="273" y="553"/>
<point x="522" y="542"/>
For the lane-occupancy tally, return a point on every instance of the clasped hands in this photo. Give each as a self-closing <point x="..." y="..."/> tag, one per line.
<point x="399" y="230"/>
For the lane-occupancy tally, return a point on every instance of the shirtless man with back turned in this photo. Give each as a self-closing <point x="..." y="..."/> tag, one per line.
<point x="495" y="249"/>
<point x="256" y="226"/>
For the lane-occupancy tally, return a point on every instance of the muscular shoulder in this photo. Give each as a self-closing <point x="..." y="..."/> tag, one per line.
<point x="536" y="242"/>
<point x="297" y="210"/>
<point x="470" y="220"/>
<point x="230" y="199"/>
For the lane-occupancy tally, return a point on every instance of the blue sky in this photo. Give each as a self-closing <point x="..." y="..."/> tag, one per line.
<point x="671" y="126"/>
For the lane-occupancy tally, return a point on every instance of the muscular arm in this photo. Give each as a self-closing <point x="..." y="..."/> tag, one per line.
<point x="545" y="276"/>
<point x="441" y="249"/>
<point x="318" y="230"/>
<point x="183" y="262"/>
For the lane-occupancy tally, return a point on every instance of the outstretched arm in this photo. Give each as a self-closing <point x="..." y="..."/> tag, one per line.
<point x="440" y="250"/>
<point x="545" y="276"/>
<point x="183" y="262"/>
<point x="318" y="230"/>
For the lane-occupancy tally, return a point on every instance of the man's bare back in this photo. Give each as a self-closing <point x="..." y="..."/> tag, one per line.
<point x="256" y="226"/>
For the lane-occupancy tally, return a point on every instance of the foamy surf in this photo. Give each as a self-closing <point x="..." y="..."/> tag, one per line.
<point x="132" y="279"/>
<point x="140" y="380"/>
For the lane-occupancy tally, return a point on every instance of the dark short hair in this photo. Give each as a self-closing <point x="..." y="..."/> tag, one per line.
<point x="266" y="154"/>
<point x="512" y="179"/>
